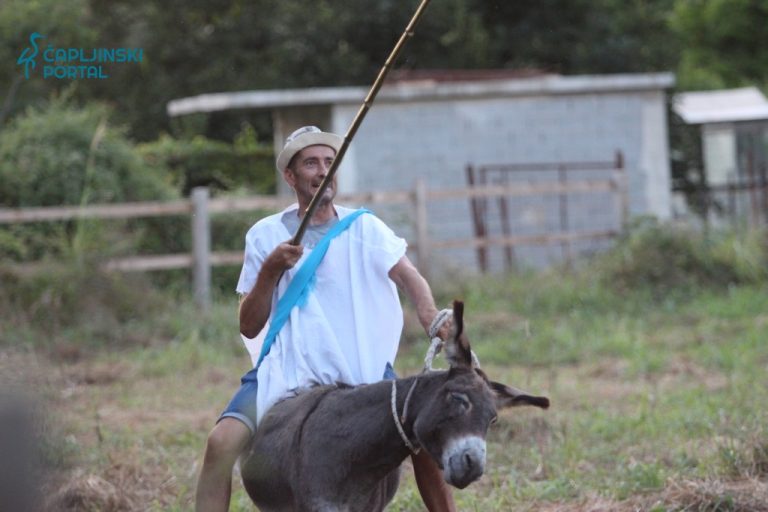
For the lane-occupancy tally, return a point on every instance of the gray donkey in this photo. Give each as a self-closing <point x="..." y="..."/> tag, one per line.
<point x="339" y="448"/>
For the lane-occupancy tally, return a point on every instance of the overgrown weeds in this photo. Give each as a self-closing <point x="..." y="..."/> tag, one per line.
<point x="745" y="458"/>
<point x="79" y="299"/>
<point x="666" y="259"/>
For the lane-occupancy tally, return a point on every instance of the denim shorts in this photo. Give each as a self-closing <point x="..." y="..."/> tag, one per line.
<point x="243" y="404"/>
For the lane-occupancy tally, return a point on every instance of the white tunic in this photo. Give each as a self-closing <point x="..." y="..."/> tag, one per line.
<point x="351" y="325"/>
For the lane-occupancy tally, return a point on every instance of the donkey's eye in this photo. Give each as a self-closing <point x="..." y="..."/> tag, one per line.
<point x="494" y="419"/>
<point x="460" y="398"/>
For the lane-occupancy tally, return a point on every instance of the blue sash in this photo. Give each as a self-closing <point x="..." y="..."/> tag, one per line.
<point x="301" y="284"/>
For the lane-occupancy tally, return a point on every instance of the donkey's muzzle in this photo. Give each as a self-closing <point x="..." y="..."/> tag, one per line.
<point x="464" y="461"/>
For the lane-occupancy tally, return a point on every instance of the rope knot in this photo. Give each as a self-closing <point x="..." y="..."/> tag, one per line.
<point x="437" y="344"/>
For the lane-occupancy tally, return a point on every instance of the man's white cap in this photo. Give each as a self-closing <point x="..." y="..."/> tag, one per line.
<point x="304" y="137"/>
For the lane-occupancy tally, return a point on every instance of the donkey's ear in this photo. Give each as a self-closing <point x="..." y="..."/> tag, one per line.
<point x="507" y="396"/>
<point x="457" y="350"/>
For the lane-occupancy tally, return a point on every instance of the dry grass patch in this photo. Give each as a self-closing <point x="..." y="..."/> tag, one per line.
<point x="120" y="488"/>
<point x="748" y="495"/>
<point x="685" y="496"/>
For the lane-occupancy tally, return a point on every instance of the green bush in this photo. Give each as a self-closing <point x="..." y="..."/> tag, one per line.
<point x="68" y="155"/>
<point x="46" y="160"/>
<point x="199" y="161"/>
<point x="666" y="258"/>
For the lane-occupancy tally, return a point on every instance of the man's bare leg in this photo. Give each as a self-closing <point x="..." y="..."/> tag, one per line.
<point x="435" y="493"/>
<point x="225" y="443"/>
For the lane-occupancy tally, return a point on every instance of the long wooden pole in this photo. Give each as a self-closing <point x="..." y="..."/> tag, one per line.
<point x="357" y="121"/>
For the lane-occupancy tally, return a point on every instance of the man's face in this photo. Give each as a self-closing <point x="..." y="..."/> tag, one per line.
<point x="308" y="169"/>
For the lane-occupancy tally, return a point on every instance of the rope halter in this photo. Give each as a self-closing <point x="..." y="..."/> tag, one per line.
<point x="399" y="421"/>
<point x="434" y="348"/>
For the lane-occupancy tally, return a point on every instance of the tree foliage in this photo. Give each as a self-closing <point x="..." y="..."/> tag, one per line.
<point x="723" y="42"/>
<point x="194" y="47"/>
<point x="581" y="36"/>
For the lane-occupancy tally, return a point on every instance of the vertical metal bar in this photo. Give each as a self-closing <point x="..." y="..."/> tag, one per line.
<point x="482" y="207"/>
<point x="623" y="189"/>
<point x="619" y="160"/>
<point x="478" y="221"/>
<point x="764" y="185"/>
<point x="201" y="247"/>
<point x="732" y="194"/>
<point x="506" y="229"/>
<point x="754" y="206"/>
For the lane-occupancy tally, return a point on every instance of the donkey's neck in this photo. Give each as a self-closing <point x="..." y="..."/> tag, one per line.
<point x="382" y="445"/>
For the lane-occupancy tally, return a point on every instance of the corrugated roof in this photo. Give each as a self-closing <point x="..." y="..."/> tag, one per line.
<point x="730" y="105"/>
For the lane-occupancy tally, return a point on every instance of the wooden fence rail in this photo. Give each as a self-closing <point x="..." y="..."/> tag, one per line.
<point x="200" y="206"/>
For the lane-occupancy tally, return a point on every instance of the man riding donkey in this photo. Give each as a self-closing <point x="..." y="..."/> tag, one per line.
<point x="348" y="322"/>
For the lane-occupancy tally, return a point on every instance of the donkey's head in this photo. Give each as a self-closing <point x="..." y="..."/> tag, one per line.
<point x="453" y="424"/>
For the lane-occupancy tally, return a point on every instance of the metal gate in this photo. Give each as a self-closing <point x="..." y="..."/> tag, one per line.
<point x="556" y="185"/>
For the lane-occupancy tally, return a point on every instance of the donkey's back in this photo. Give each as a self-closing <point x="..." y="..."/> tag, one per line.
<point x="302" y="457"/>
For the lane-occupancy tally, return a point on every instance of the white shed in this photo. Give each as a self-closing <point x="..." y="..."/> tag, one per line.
<point x="734" y="140"/>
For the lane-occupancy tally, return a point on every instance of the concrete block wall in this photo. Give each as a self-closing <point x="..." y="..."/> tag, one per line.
<point x="436" y="140"/>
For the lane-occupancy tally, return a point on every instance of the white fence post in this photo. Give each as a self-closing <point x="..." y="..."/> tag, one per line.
<point x="201" y="247"/>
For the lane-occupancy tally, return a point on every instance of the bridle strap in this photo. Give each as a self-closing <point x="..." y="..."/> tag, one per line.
<point x="399" y="421"/>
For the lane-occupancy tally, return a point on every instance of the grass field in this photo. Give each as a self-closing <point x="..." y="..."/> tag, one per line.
<point x="657" y="399"/>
